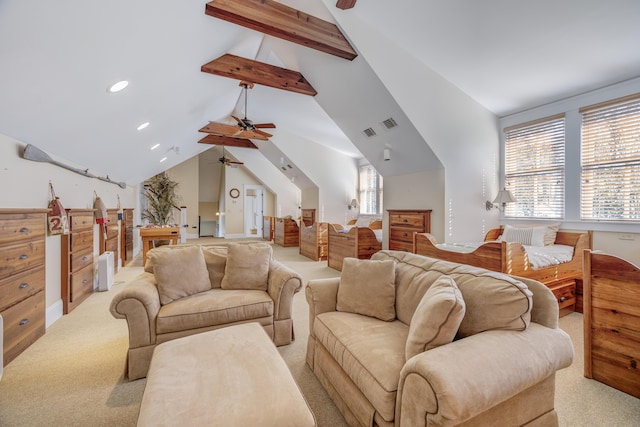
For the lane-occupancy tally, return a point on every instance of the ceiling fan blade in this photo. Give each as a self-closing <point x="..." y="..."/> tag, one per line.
<point x="264" y="134"/>
<point x="219" y="129"/>
<point x="265" y="126"/>
<point x="240" y="122"/>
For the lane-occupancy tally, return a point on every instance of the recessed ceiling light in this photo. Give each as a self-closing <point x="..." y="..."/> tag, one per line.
<point x="144" y="125"/>
<point x="163" y="159"/>
<point x="117" y="87"/>
<point x="155" y="146"/>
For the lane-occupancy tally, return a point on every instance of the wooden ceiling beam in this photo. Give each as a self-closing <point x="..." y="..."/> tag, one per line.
<point x="345" y="4"/>
<point x="236" y="67"/>
<point x="227" y="141"/>
<point x="278" y="20"/>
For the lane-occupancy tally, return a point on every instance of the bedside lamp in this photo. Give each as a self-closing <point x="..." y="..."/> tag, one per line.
<point x="500" y="202"/>
<point x="353" y="204"/>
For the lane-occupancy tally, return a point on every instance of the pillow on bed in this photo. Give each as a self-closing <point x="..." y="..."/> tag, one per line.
<point x="542" y="235"/>
<point x="362" y="222"/>
<point x="437" y="317"/>
<point x="368" y="287"/>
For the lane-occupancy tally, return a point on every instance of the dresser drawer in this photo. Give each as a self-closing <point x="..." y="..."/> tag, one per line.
<point x="20" y="257"/>
<point x="14" y="227"/>
<point x="112" y="231"/>
<point x="82" y="283"/>
<point x="23" y="324"/>
<point x="396" y="245"/>
<point x="112" y="245"/>
<point x="81" y="240"/>
<point x="408" y="220"/>
<point x="401" y="234"/>
<point x="81" y="222"/>
<point x="81" y="259"/>
<point x="565" y="294"/>
<point x="21" y="286"/>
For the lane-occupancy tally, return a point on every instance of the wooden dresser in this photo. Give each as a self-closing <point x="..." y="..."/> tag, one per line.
<point x="126" y="236"/>
<point x="77" y="259"/>
<point x="403" y="223"/>
<point x="268" y="227"/>
<point x="110" y="242"/>
<point x="22" y="278"/>
<point x="286" y="233"/>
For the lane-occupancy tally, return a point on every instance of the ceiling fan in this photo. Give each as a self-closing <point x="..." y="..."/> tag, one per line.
<point x="244" y="128"/>
<point x="227" y="161"/>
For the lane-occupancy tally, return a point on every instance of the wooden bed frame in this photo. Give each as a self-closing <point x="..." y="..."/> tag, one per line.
<point x="314" y="241"/>
<point x="286" y="232"/>
<point x="359" y="242"/>
<point x="511" y="258"/>
<point x="612" y="322"/>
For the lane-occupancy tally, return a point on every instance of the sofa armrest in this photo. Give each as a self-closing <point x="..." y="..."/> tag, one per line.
<point x="455" y="382"/>
<point x="322" y="296"/>
<point x="282" y="284"/>
<point x="139" y="303"/>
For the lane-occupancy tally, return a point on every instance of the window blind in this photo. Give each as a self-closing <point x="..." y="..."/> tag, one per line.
<point x="370" y="184"/>
<point x="610" y="160"/>
<point x="534" y="168"/>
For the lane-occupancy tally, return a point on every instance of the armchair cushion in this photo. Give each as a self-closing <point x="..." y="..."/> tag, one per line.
<point x="247" y="267"/>
<point x="437" y="318"/>
<point x="180" y="273"/>
<point x="368" y="287"/>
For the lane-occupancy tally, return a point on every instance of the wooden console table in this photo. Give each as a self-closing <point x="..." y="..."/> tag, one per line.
<point x="150" y="234"/>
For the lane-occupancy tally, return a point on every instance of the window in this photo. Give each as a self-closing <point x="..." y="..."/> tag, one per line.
<point x="370" y="191"/>
<point x="534" y="168"/>
<point x="610" y="160"/>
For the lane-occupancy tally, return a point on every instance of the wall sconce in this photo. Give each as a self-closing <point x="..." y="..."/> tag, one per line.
<point x="500" y="202"/>
<point x="353" y="204"/>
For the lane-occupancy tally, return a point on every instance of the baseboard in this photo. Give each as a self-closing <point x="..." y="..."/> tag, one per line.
<point x="54" y="312"/>
<point x="234" y="236"/>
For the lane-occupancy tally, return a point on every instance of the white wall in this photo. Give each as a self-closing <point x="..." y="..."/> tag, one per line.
<point x="25" y="184"/>
<point x="187" y="175"/>
<point x="461" y="132"/>
<point x="335" y="175"/>
<point x="236" y="178"/>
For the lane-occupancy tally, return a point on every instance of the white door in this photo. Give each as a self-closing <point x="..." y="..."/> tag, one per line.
<point x="253" y="200"/>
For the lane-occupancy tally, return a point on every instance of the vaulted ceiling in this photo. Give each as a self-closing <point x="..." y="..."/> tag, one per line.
<point x="58" y="59"/>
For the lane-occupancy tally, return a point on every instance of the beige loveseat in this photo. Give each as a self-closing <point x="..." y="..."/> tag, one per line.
<point x="190" y="289"/>
<point x="407" y="340"/>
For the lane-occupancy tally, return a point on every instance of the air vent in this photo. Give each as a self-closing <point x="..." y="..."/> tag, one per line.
<point x="284" y="168"/>
<point x="369" y="132"/>
<point x="289" y="166"/>
<point x="390" y="123"/>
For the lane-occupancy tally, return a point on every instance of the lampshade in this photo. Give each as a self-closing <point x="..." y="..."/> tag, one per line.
<point x="353" y="204"/>
<point x="504" y="196"/>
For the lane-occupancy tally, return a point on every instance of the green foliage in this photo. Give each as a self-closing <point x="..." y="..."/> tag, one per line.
<point x="160" y="192"/>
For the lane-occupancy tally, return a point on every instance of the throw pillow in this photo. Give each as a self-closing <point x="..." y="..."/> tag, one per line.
<point x="437" y="317"/>
<point x="542" y="235"/>
<point x="247" y="266"/>
<point x="368" y="287"/>
<point x="151" y="255"/>
<point x="216" y="260"/>
<point x="180" y="272"/>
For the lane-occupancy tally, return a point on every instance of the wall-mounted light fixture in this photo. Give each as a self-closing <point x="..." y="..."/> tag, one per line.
<point x="353" y="204"/>
<point x="500" y="202"/>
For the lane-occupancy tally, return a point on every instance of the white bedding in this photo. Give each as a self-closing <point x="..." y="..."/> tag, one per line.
<point x="539" y="256"/>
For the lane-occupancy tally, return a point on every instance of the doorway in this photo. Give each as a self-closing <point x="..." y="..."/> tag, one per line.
<point x="253" y="210"/>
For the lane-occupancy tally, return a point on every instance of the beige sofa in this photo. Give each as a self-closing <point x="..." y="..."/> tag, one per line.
<point x="190" y="289"/>
<point x="429" y="342"/>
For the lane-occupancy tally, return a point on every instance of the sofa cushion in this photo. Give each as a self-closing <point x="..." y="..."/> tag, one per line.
<point x="180" y="273"/>
<point x="247" y="266"/>
<point x="370" y="352"/>
<point x="368" y="287"/>
<point x="151" y="255"/>
<point x="437" y="318"/>
<point x="493" y="300"/>
<point x="216" y="260"/>
<point x="213" y="307"/>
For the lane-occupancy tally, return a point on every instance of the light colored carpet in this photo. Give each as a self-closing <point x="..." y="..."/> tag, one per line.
<point x="73" y="375"/>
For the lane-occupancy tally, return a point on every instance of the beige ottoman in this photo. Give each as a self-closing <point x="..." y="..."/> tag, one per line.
<point x="227" y="377"/>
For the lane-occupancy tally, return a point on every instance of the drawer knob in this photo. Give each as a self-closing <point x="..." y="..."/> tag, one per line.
<point x="84" y="258"/>
<point x="24" y="230"/>
<point x="23" y="285"/>
<point x="24" y="256"/>
<point x="404" y="234"/>
<point x="405" y="220"/>
<point x="563" y="299"/>
<point x="24" y="322"/>
<point x="85" y="281"/>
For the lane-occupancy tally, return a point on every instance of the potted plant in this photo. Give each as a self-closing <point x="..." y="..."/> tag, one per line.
<point x="161" y="196"/>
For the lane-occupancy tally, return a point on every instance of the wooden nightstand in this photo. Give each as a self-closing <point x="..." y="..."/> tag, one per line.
<point x="403" y="223"/>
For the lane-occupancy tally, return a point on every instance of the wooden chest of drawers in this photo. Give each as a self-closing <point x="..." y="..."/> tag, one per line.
<point x="77" y="259"/>
<point x="110" y="242"/>
<point x="287" y="232"/>
<point x="403" y="224"/>
<point x="22" y="278"/>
